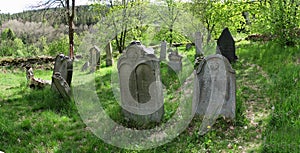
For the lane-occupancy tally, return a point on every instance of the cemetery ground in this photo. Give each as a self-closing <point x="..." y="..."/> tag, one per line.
<point x="268" y="116"/>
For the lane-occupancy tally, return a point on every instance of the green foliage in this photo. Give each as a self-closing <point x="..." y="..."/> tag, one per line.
<point x="280" y="19"/>
<point x="12" y="48"/>
<point x="216" y="15"/>
<point x="59" y="46"/>
<point x="8" y="34"/>
<point x="165" y="34"/>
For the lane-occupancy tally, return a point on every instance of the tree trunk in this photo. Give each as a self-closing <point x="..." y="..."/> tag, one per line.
<point x="71" y="27"/>
<point x="171" y="36"/>
<point x="71" y="14"/>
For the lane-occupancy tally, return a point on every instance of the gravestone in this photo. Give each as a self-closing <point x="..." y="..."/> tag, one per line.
<point x="109" y="58"/>
<point x="163" y="50"/>
<point x="94" y="58"/>
<point x="85" y="66"/>
<point x="226" y="46"/>
<point x="215" y="89"/>
<point x="188" y="46"/>
<point x="61" y="85"/>
<point x="140" y="85"/>
<point x="198" y="44"/>
<point x="63" y="68"/>
<point x="175" y="61"/>
<point x="64" y="65"/>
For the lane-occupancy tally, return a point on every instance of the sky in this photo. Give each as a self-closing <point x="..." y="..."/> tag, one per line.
<point x="15" y="6"/>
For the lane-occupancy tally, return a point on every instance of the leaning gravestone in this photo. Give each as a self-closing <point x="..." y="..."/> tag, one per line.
<point x="94" y="58"/>
<point x="198" y="43"/>
<point x="226" y="46"/>
<point x="163" y="50"/>
<point x="109" y="59"/>
<point x="175" y="61"/>
<point x="140" y="86"/>
<point x="61" y="85"/>
<point x="215" y="89"/>
<point x="63" y="68"/>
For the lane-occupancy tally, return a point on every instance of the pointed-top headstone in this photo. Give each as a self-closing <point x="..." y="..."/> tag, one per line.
<point x="226" y="45"/>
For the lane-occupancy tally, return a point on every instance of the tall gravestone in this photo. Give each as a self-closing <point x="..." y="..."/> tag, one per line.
<point x="109" y="58"/>
<point x="140" y="86"/>
<point x="198" y="43"/>
<point x="215" y="88"/>
<point x="226" y="46"/>
<point x="163" y="50"/>
<point x="94" y="58"/>
<point x="62" y="75"/>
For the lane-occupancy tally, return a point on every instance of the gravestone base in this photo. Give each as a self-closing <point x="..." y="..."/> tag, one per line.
<point x="109" y="62"/>
<point x="155" y="117"/>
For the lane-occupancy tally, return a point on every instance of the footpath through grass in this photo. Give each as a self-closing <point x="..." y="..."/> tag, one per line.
<point x="267" y="120"/>
<point x="282" y="66"/>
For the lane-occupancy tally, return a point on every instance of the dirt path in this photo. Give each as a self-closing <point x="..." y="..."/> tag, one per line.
<point x="252" y="80"/>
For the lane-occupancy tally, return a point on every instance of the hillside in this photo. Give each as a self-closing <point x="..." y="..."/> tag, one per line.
<point x="85" y="15"/>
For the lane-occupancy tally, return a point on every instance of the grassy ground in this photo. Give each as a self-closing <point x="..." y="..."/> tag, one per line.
<point x="267" y="120"/>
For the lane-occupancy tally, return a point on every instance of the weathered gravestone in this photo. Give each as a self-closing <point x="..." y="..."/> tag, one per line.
<point x="175" y="61"/>
<point x="226" y="46"/>
<point x="109" y="59"/>
<point x="163" y="50"/>
<point x="35" y="82"/>
<point x="61" y="85"/>
<point x="62" y="72"/>
<point x="140" y="86"/>
<point x="198" y="44"/>
<point x="215" y="89"/>
<point x="94" y="58"/>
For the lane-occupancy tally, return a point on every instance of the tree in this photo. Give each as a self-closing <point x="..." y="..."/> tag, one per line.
<point x="278" y="18"/>
<point x="216" y="15"/>
<point x="169" y="14"/>
<point x="119" y="19"/>
<point x="69" y="6"/>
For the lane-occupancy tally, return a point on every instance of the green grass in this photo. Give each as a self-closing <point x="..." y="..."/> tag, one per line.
<point x="283" y="87"/>
<point x="267" y="77"/>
